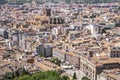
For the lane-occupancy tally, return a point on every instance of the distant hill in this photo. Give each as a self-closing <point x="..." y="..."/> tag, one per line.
<point x="68" y="1"/>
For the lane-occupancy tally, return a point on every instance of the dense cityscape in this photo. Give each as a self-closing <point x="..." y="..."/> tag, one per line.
<point x="59" y="40"/>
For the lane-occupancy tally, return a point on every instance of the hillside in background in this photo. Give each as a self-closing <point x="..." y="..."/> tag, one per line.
<point x="68" y="1"/>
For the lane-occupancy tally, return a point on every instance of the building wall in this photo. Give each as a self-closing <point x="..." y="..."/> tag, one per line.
<point x="48" y="51"/>
<point x="73" y="60"/>
<point x="40" y="50"/>
<point x="115" y="52"/>
<point x="45" y="51"/>
<point x="88" y="68"/>
<point x="59" y="55"/>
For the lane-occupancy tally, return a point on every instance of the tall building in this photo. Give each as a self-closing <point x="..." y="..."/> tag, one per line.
<point x="48" y="51"/>
<point x="44" y="51"/>
<point x="40" y="50"/>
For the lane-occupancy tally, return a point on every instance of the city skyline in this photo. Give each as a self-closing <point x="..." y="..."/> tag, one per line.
<point x="60" y="41"/>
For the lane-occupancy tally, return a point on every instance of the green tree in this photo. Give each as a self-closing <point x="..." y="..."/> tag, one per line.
<point x="56" y="61"/>
<point x="37" y="76"/>
<point x="48" y="75"/>
<point x="74" y="76"/>
<point x="85" y="78"/>
<point x="9" y="75"/>
<point x="64" y="78"/>
<point x="24" y="77"/>
<point x="16" y="73"/>
<point x="24" y="72"/>
<point x="85" y="16"/>
<point x="93" y="16"/>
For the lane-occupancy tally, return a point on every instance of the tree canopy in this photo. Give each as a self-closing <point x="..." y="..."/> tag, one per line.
<point x="48" y="75"/>
<point x="85" y="78"/>
<point x="56" y="61"/>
